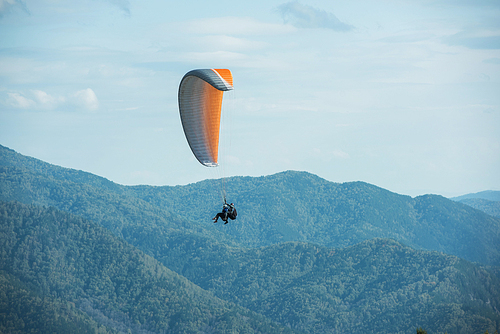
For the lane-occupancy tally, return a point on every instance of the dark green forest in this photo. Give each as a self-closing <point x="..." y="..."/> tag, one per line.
<point x="486" y="201"/>
<point x="67" y="261"/>
<point x="304" y="255"/>
<point x="490" y="207"/>
<point x="22" y="310"/>
<point x="289" y="206"/>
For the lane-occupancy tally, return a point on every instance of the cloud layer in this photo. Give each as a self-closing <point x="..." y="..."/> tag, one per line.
<point x="475" y="41"/>
<point x="84" y="99"/>
<point x="303" y="16"/>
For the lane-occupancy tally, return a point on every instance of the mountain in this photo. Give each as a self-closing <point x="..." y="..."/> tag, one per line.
<point x="486" y="201"/>
<point x="288" y="206"/>
<point x="67" y="274"/>
<point x="491" y="208"/>
<point x="490" y="195"/>
<point x="376" y="286"/>
<point x="298" y="206"/>
<point x="312" y="255"/>
<point x="80" y="268"/>
<point x="22" y="310"/>
<point x="113" y="206"/>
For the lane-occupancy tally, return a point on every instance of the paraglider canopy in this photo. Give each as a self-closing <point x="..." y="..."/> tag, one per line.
<point x="200" y="102"/>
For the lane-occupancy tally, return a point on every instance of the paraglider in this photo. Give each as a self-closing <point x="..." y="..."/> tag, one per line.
<point x="200" y="104"/>
<point x="228" y="211"/>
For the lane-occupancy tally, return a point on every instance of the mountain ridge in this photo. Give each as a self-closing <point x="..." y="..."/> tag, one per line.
<point x="298" y="206"/>
<point x="486" y="201"/>
<point x="374" y="285"/>
<point x="287" y="206"/>
<point x="490" y="195"/>
<point x="368" y="287"/>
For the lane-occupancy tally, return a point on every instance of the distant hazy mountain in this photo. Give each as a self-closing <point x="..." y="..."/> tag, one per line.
<point x="490" y="195"/>
<point x="486" y="201"/>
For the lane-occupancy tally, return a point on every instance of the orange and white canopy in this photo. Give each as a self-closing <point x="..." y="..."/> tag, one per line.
<point x="200" y="102"/>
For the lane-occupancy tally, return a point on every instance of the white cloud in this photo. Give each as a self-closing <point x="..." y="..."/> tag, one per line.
<point x="213" y="57"/>
<point x="35" y="99"/>
<point x="47" y="101"/>
<point x="5" y="4"/>
<point x="303" y="16"/>
<point x="475" y="40"/>
<point x="233" y="26"/>
<point x="16" y="100"/>
<point x="40" y="100"/>
<point x="87" y="99"/>
<point x="229" y="43"/>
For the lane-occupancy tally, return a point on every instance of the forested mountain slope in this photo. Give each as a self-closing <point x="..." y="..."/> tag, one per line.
<point x="297" y="206"/>
<point x="113" y="206"/>
<point x="486" y="201"/>
<point x="311" y="254"/>
<point x="22" y="310"/>
<point x="89" y="277"/>
<point x="107" y="285"/>
<point x="490" y="207"/>
<point x="289" y="206"/>
<point x="377" y="286"/>
<point x="490" y="195"/>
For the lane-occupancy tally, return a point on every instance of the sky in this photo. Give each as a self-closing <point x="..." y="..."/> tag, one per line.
<point x="401" y="94"/>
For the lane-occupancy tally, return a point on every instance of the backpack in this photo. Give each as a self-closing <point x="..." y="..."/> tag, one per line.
<point x="232" y="213"/>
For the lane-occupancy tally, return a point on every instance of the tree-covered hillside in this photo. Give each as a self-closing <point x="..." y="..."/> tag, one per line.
<point x="486" y="201"/>
<point x="313" y="255"/>
<point x="90" y="280"/>
<point x="377" y="286"/>
<point x="298" y="206"/>
<point x="289" y="206"/>
<point x="490" y="207"/>
<point x="490" y="195"/>
<point x="74" y="274"/>
<point x="23" y="310"/>
<point x="31" y="181"/>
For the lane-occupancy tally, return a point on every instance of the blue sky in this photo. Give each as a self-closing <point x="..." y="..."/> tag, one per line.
<point x="401" y="94"/>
